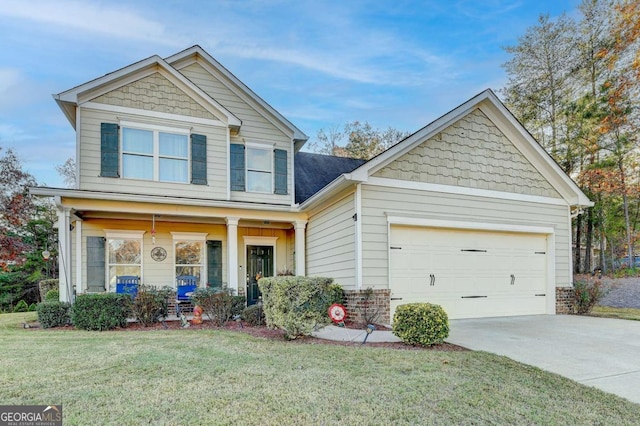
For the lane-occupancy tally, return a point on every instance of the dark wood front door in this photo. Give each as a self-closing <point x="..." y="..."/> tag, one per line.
<point x="259" y="264"/>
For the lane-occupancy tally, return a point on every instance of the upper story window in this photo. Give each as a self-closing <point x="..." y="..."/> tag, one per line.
<point x="259" y="169"/>
<point x="155" y="155"/>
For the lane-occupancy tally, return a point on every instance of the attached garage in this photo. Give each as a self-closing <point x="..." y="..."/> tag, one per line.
<point x="469" y="213"/>
<point x="470" y="273"/>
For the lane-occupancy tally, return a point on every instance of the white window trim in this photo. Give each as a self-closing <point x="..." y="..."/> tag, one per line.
<point x="269" y="147"/>
<point x="115" y="234"/>
<point x="155" y="155"/>
<point x="261" y="241"/>
<point x="200" y="237"/>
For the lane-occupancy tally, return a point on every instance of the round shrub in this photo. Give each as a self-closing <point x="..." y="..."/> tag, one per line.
<point x="253" y="315"/>
<point x="52" y="296"/>
<point x="33" y="307"/>
<point x="422" y="324"/>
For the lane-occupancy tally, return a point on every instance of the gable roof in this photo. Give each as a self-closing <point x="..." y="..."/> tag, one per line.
<point x="315" y="171"/>
<point x="489" y="103"/>
<point x="240" y="89"/>
<point x="70" y="99"/>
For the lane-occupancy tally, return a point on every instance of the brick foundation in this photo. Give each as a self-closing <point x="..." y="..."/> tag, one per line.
<point x="355" y="303"/>
<point x="564" y="300"/>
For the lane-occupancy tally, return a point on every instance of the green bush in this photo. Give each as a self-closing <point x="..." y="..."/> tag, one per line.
<point x="297" y="304"/>
<point x="52" y="296"/>
<point x="219" y="305"/>
<point x="586" y="295"/>
<point x="33" y="307"/>
<point x="21" y="306"/>
<point x="104" y="311"/>
<point x="253" y="315"/>
<point x="422" y="324"/>
<point x="237" y="305"/>
<point x="47" y="285"/>
<point x="151" y="304"/>
<point x="54" y="314"/>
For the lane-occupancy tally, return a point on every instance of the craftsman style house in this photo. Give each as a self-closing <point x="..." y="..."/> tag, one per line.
<point x="184" y="172"/>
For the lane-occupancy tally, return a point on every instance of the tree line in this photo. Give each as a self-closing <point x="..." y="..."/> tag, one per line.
<point x="574" y="83"/>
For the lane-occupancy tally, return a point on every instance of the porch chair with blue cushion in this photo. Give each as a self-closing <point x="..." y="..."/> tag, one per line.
<point x="185" y="286"/>
<point x="127" y="284"/>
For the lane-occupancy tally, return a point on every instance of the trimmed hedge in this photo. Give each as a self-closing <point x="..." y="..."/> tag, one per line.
<point x="54" y="314"/>
<point x="104" y="311"/>
<point x="298" y="304"/>
<point x="422" y="324"/>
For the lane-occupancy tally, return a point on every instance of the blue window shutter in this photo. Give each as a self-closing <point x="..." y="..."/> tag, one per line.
<point x="198" y="159"/>
<point x="280" y="161"/>
<point x="95" y="264"/>
<point x="109" y="152"/>
<point x="214" y="264"/>
<point x="237" y="167"/>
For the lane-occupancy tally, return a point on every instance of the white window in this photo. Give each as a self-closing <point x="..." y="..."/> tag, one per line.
<point x="189" y="255"/>
<point x="259" y="168"/>
<point x="124" y="255"/>
<point x="155" y="153"/>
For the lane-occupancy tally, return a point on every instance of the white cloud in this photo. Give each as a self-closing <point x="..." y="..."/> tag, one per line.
<point x="94" y="18"/>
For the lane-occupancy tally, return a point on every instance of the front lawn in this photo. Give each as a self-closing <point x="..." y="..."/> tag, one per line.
<point x="205" y="377"/>
<point x="620" y="313"/>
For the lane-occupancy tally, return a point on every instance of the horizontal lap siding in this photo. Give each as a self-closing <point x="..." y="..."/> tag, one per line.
<point x="255" y="128"/>
<point x="90" y="159"/>
<point x="378" y="201"/>
<point x="331" y="242"/>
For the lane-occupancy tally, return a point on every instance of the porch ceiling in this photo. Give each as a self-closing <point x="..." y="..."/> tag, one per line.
<point x="250" y="223"/>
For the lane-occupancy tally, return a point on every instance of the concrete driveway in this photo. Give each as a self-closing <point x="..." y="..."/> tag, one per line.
<point x="599" y="352"/>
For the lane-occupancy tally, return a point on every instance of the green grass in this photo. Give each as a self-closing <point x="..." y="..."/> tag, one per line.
<point x="207" y="377"/>
<point x="621" y="313"/>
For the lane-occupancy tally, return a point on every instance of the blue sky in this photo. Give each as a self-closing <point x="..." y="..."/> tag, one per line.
<point x="392" y="63"/>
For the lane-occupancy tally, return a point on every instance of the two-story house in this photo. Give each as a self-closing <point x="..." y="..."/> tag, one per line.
<point x="182" y="170"/>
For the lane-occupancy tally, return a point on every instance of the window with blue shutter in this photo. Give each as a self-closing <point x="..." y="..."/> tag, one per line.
<point x="95" y="264"/>
<point x="198" y="159"/>
<point x="280" y="162"/>
<point x="214" y="264"/>
<point x="237" y="167"/>
<point x="109" y="152"/>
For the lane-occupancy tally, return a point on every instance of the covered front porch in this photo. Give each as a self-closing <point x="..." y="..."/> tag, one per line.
<point x="103" y="243"/>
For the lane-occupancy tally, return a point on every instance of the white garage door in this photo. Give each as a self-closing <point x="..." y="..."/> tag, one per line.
<point x="471" y="274"/>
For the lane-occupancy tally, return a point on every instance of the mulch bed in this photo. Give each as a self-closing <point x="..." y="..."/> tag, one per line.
<point x="265" y="333"/>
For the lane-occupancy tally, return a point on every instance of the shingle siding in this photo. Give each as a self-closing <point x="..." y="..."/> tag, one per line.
<point x="155" y="93"/>
<point x="471" y="153"/>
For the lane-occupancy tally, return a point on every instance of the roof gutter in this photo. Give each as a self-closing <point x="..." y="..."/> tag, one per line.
<point x="60" y="193"/>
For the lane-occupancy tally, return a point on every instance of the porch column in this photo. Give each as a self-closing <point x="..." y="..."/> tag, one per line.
<point x="300" y="226"/>
<point x="64" y="254"/>
<point x="232" y="252"/>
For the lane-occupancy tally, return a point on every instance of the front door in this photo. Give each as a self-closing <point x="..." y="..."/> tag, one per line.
<point x="259" y="264"/>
